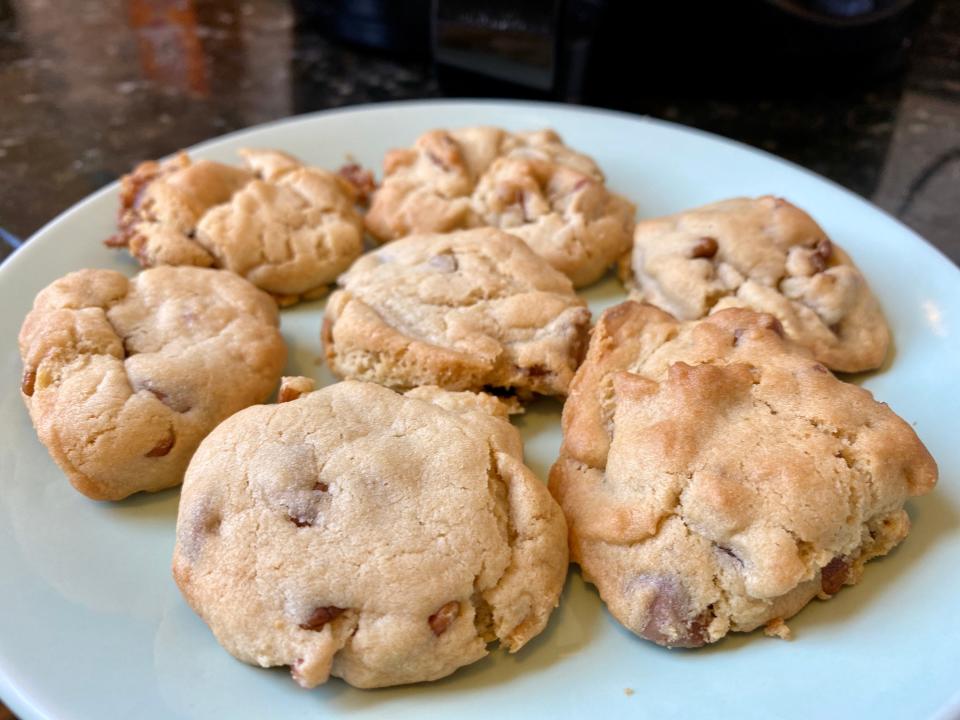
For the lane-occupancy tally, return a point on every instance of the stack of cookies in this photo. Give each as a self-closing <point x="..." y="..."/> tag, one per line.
<point x="714" y="475"/>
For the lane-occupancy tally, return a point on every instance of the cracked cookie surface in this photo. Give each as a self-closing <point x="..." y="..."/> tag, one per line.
<point x="380" y="538"/>
<point x="767" y="255"/>
<point x="467" y="310"/>
<point x="529" y="184"/>
<point x="287" y="228"/>
<point x="124" y="377"/>
<point x="716" y="477"/>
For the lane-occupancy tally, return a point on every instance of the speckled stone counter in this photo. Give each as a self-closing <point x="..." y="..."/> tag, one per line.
<point x="91" y="87"/>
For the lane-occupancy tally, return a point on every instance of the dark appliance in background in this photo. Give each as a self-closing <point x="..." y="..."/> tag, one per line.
<point x="611" y="52"/>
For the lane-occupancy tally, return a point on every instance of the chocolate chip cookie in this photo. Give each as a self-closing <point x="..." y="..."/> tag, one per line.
<point x="379" y="538"/>
<point x="124" y="377"/>
<point x="467" y="310"/>
<point x="716" y="477"/>
<point x="767" y="255"/>
<point x="287" y="228"/>
<point x="529" y="184"/>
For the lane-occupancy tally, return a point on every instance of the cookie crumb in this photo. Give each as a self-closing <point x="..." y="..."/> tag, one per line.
<point x="628" y="691"/>
<point x="292" y="387"/>
<point x="778" y="628"/>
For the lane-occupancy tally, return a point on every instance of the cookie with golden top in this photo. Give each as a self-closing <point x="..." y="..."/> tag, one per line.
<point x="529" y="184"/>
<point x="124" y="377"/>
<point x="287" y="228"/>
<point x="767" y="255"/>
<point x="716" y="477"/>
<point x="467" y="310"/>
<point x="357" y="533"/>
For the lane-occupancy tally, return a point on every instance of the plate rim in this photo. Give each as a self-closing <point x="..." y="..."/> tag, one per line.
<point x="465" y="103"/>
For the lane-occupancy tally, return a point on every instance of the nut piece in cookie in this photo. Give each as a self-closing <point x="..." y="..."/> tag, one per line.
<point x="287" y="228"/>
<point x="468" y="310"/>
<point x="529" y="184"/>
<point x="767" y="255"/>
<point x="716" y="477"/>
<point x="380" y="538"/>
<point x="292" y="387"/>
<point x="124" y="377"/>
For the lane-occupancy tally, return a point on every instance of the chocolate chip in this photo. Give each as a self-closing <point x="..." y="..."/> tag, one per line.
<point x="321" y="486"/>
<point x="442" y="618"/>
<point x="705" y="247"/>
<point x="536" y="371"/>
<point x="299" y="521"/>
<point x="28" y="382"/>
<point x="320" y="617"/>
<point x="769" y="322"/>
<point x="697" y="631"/>
<point x="173" y="402"/>
<point x="361" y="179"/>
<point x="833" y="575"/>
<point x="669" y="620"/>
<point x="211" y="523"/>
<point x="441" y="149"/>
<point x="821" y="254"/>
<point x="164" y="446"/>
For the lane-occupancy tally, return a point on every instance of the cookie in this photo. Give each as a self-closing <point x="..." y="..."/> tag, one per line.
<point x="716" y="477"/>
<point x="380" y="538"/>
<point x="466" y="310"/>
<point x="124" y="377"/>
<point x="767" y="255"/>
<point x="529" y="184"/>
<point x="287" y="228"/>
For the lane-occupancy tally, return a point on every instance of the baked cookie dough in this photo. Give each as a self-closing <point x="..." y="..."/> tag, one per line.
<point x="379" y="538"/>
<point x="529" y="184"/>
<point x="124" y="377"/>
<point x="287" y="228"/>
<point x="467" y="310"/>
<point x="767" y="255"/>
<point x="716" y="477"/>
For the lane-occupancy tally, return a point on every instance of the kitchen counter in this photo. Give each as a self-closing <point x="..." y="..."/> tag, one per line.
<point x="92" y="87"/>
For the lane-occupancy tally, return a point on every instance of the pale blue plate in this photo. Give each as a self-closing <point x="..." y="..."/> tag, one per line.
<point x="92" y="626"/>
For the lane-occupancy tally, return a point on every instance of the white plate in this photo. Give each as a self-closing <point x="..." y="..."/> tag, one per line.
<point x="92" y="626"/>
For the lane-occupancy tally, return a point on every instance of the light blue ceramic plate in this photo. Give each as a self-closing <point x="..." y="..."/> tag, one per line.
<point x="92" y="626"/>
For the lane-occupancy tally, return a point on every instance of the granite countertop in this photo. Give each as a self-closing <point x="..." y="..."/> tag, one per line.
<point x="90" y="91"/>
